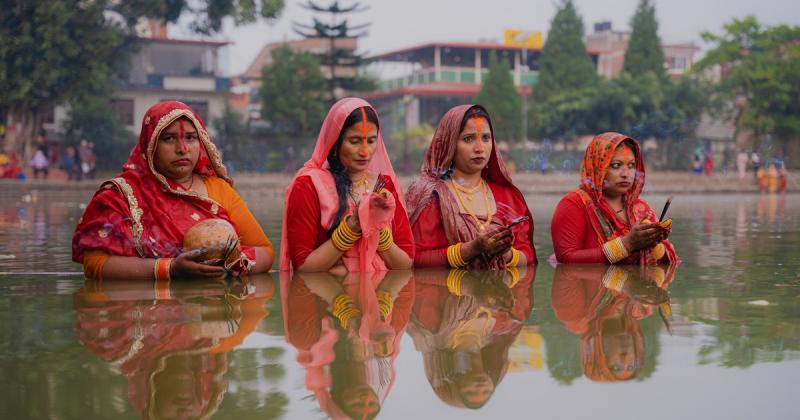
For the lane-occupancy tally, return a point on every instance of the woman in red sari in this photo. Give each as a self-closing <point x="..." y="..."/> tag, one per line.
<point x="344" y="210"/>
<point x="605" y="221"/>
<point x="174" y="179"/>
<point x="463" y="202"/>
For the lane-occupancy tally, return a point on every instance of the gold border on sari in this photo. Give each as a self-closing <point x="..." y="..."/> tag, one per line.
<point x="136" y="212"/>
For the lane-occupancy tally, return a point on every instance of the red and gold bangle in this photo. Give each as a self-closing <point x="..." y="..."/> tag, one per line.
<point x="615" y="278"/>
<point x="385" y="304"/>
<point x="454" y="281"/>
<point x="161" y="269"/>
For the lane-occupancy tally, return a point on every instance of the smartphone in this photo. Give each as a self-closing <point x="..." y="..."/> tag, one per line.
<point x="517" y="221"/>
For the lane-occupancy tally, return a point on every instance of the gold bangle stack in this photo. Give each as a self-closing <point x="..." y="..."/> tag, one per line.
<point x="385" y="240"/>
<point x="615" y="250"/>
<point x="514" y="261"/>
<point x="454" y="256"/>
<point x="343" y="237"/>
<point x="385" y="304"/>
<point x="345" y="309"/>
<point x="454" y="281"/>
<point x="615" y="278"/>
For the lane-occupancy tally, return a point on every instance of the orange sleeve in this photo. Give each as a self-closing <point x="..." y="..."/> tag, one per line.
<point x="249" y="230"/>
<point x="93" y="262"/>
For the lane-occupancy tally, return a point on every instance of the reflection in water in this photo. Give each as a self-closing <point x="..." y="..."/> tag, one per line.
<point x="604" y="306"/>
<point x="348" y="353"/>
<point x="170" y="341"/>
<point x="464" y="323"/>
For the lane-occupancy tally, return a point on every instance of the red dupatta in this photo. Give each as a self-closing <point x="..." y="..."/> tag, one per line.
<point x="433" y="180"/>
<point x="605" y="222"/>
<point x="143" y="213"/>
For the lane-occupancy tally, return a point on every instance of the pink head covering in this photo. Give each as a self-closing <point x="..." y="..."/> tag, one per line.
<point x="362" y="257"/>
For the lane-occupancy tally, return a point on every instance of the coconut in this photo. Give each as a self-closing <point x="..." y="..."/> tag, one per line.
<point x="213" y="237"/>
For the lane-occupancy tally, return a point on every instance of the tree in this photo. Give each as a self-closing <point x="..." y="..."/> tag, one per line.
<point x="644" y="53"/>
<point x="760" y="81"/>
<point x="66" y="51"/>
<point x="293" y="93"/>
<point x="500" y="97"/>
<point x="566" y="74"/>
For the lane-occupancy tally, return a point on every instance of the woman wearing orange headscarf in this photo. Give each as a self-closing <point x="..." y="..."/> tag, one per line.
<point x="344" y="209"/>
<point x="135" y="225"/>
<point x="463" y="203"/>
<point x="605" y="221"/>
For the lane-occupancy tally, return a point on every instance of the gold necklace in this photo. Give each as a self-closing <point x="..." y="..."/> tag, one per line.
<point x="468" y="191"/>
<point x="484" y="225"/>
<point x="362" y="183"/>
<point x="191" y="183"/>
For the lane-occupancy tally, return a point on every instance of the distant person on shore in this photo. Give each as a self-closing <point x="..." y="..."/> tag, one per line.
<point x="697" y="161"/>
<point x="708" y="162"/>
<point x="87" y="159"/>
<point x="172" y="212"/>
<point x="741" y="164"/>
<point x="71" y="165"/>
<point x="783" y="176"/>
<point x="344" y="208"/>
<point x="605" y="221"/>
<point x="463" y="203"/>
<point x="755" y="163"/>
<point x="762" y="179"/>
<point x="39" y="162"/>
<point x="772" y="178"/>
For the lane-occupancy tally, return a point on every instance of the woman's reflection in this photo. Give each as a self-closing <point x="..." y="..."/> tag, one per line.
<point x="604" y="305"/>
<point x="347" y="332"/>
<point x="170" y="340"/>
<point x="464" y="323"/>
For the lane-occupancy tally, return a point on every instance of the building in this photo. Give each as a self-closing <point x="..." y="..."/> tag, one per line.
<point x="611" y="46"/>
<point x="164" y="69"/>
<point x="441" y="75"/>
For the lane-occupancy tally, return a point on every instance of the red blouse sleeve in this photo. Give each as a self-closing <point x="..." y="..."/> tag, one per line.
<point x="105" y="226"/>
<point x="430" y="242"/>
<point x="569" y="230"/>
<point x="523" y="232"/>
<point x="401" y="229"/>
<point x="303" y="223"/>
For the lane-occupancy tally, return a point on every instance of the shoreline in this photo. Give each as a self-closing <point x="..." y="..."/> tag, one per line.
<point x="530" y="183"/>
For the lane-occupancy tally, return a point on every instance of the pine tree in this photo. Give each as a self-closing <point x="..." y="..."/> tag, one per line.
<point x="500" y="97"/>
<point x="565" y="64"/>
<point x="644" y="53"/>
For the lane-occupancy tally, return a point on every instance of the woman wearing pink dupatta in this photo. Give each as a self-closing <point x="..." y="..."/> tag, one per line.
<point x="344" y="210"/>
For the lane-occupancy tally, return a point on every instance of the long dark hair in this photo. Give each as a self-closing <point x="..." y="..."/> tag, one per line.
<point x="339" y="172"/>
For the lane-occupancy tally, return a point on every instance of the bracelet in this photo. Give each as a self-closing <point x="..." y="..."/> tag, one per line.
<point x="343" y="237"/>
<point x="161" y="269"/>
<point x="615" y="250"/>
<point x="385" y="304"/>
<point x="454" y="281"/>
<point x="514" y="261"/>
<point x="454" y="256"/>
<point x="385" y="240"/>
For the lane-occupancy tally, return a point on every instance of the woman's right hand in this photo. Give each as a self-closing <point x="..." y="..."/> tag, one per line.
<point x="188" y="264"/>
<point x="643" y="236"/>
<point x="353" y="223"/>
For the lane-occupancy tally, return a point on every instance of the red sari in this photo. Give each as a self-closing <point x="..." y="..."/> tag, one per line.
<point x="435" y="216"/>
<point x="141" y="213"/>
<point x="583" y="220"/>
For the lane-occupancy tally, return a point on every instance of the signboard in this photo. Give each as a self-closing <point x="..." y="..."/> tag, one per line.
<point x="520" y="38"/>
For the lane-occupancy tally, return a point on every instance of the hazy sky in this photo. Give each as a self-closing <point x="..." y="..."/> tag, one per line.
<point x="404" y="23"/>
